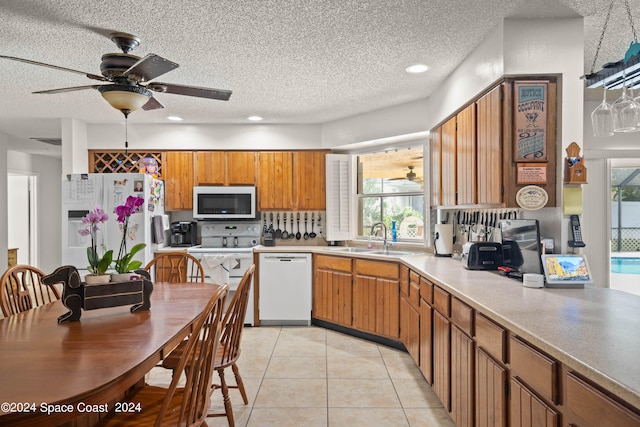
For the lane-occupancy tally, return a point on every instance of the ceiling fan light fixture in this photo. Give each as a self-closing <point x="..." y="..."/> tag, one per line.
<point x="125" y="98"/>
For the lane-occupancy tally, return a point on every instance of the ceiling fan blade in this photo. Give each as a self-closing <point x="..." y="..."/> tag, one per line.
<point x="200" y="92"/>
<point x="152" y="104"/>
<point x="68" y="89"/>
<point x="150" y="67"/>
<point x="55" y="67"/>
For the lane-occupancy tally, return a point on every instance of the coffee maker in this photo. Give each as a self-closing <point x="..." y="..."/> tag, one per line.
<point x="184" y="233"/>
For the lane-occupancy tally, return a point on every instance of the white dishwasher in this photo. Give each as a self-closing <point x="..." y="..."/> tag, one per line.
<point x="285" y="288"/>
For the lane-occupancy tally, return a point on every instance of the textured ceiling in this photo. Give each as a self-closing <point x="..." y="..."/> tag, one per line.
<point x="297" y="61"/>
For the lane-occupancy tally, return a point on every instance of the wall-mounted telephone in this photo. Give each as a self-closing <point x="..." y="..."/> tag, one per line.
<point x="576" y="233"/>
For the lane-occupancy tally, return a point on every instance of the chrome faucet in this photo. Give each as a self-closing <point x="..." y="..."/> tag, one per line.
<point x="385" y="244"/>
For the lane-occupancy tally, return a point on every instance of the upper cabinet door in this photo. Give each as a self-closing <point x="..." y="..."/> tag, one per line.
<point x="448" y="155"/>
<point x="435" y="147"/>
<point x="309" y="180"/>
<point x="489" y="112"/>
<point x="209" y="168"/>
<point x="241" y="168"/>
<point x="275" y="180"/>
<point x="178" y="177"/>
<point x="466" y="156"/>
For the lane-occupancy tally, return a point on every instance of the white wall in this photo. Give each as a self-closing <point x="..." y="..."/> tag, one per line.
<point x="49" y="206"/>
<point x="18" y="216"/>
<point x="3" y="197"/>
<point x="204" y="137"/>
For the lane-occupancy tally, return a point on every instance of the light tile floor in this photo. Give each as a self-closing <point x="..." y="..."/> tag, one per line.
<point x="310" y="376"/>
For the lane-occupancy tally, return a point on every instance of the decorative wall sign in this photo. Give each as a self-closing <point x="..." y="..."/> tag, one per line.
<point x="532" y="198"/>
<point x="531" y="173"/>
<point x="530" y="120"/>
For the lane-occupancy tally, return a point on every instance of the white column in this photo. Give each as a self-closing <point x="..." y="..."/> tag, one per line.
<point x="74" y="146"/>
<point x="4" y="230"/>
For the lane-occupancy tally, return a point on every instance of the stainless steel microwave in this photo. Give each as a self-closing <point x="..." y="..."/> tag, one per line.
<point x="224" y="203"/>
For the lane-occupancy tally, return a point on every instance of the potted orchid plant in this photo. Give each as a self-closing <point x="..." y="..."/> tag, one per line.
<point x="125" y="263"/>
<point x="98" y="265"/>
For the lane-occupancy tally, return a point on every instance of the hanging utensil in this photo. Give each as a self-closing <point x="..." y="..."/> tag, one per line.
<point x="291" y="235"/>
<point x="313" y="220"/>
<point x="264" y="228"/>
<point x="285" y="233"/>
<point x="271" y="223"/>
<point x="306" y="234"/>
<point x="298" y="235"/>
<point x="278" y="231"/>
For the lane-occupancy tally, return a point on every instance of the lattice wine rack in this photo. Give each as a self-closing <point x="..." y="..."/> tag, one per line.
<point x="121" y="162"/>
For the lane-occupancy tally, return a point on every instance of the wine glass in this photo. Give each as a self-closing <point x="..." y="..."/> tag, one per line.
<point x="602" y="117"/>
<point x="625" y="112"/>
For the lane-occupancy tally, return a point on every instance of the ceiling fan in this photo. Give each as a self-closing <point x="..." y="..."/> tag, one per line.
<point x="410" y="176"/>
<point x="127" y="78"/>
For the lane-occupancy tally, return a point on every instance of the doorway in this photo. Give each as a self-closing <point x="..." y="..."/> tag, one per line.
<point x="21" y="217"/>
<point x="625" y="226"/>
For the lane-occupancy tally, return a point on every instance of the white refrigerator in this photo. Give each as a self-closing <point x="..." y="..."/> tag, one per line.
<point x="83" y="192"/>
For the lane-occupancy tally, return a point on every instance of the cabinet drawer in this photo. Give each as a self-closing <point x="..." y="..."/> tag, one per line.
<point x="426" y="290"/>
<point x="388" y="270"/>
<point x="538" y="370"/>
<point x="462" y="316"/>
<point x="441" y="301"/>
<point x="414" y="277"/>
<point x="596" y="408"/>
<point x="332" y="263"/>
<point x="491" y="337"/>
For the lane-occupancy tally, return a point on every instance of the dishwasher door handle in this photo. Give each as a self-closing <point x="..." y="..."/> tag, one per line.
<point x="285" y="259"/>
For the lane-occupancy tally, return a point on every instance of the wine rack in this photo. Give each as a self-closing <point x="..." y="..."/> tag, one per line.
<point x="121" y="161"/>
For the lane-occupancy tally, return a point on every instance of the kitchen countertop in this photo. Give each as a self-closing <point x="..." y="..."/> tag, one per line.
<point x="593" y="331"/>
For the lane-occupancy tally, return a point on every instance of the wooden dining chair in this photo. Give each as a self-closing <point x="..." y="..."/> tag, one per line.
<point x="21" y="289"/>
<point x="175" y="267"/>
<point x="229" y="349"/>
<point x="186" y="406"/>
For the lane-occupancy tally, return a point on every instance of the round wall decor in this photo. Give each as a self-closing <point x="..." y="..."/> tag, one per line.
<point x="532" y="197"/>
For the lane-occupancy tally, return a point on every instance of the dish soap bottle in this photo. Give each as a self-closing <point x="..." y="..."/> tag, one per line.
<point x="394" y="232"/>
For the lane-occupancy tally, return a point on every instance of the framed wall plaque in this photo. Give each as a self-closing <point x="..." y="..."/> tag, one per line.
<point x="530" y="121"/>
<point x="531" y="173"/>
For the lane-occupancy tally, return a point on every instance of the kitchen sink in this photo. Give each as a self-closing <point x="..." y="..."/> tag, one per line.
<point x="395" y="253"/>
<point x="375" y="252"/>
<point x="354" y="250"/>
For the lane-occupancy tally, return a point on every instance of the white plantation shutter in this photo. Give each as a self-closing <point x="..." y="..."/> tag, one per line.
<point x="340" y="197"/>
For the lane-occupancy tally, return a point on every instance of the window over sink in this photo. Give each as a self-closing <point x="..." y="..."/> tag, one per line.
<point x="391" y="188"/>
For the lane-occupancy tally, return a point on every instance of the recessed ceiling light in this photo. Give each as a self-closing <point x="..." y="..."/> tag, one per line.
<point x="175" y="118"/>
<point x="416" y="68"/>
<point x="255" y="118"/>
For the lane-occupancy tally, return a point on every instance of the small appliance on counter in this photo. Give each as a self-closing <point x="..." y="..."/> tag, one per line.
<point x="482" y="255"/>
<point x="184" y="233"/>
<point x="443" y="241"/>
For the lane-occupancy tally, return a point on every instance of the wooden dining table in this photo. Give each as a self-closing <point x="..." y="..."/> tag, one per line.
<point x="52" y="373"/>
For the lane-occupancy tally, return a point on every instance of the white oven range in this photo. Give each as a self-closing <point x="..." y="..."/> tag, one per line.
<point x="234" y="241"/>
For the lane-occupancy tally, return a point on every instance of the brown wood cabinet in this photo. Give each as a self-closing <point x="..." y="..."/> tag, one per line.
<point x="591" y="407"/>
<point x="462" y="378"/>
<point x="442" y="359"/>
<point x="410" y="312"/>
<point x="490" y="391"/>
<point x="376" y="298"/>
<point x="489" y="147"/>
<point x="435" y="148"/>
<point x="225" y="168"/>
<point x="178" y="180"/>
<point x="426" y="329"/>
<point x="465" y="156"/>
<point x="309" y="173"/>
<point x="448" y="173"/>
<point x="528" y="410"/>
<point x="332" y="293"/>
<point x="275" y="180"/>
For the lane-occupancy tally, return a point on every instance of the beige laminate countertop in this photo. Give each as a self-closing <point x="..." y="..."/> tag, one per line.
<point x="593" y="331"/>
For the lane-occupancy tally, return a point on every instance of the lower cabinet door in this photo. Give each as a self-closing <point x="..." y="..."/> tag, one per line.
<point x="491" y="395"/>
<point x="528" y="410"/>
<point x="462" y="378"/>
<point x="442" y="359"/>
<point x="410" y="329"/>
<point x="426" y="341"/>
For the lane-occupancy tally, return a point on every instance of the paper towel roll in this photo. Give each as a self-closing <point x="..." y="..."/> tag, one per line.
<point x="444" y="239"/>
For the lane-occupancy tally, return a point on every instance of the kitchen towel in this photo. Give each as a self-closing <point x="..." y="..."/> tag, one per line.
<point x="216" y="268"/>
